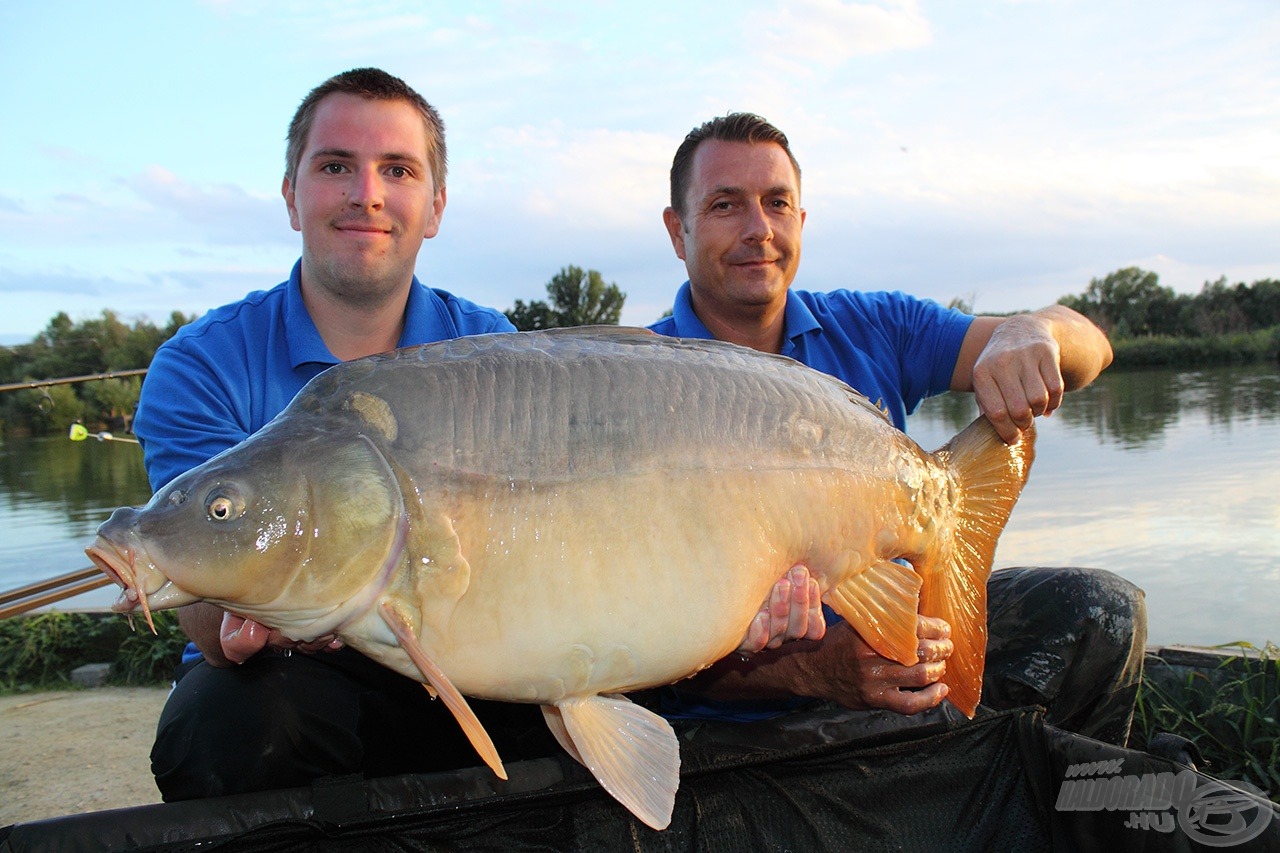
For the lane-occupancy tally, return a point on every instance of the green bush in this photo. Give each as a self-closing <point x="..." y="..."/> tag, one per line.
<point x="39" y="651"/>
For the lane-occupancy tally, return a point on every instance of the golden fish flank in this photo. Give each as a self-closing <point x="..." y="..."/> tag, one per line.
<point x="518" y="517"/>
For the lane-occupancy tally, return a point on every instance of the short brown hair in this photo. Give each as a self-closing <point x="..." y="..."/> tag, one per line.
<point x="734" y="127"/>
<point x="376" y="85"/>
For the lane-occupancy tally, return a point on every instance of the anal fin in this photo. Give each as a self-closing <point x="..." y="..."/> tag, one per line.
<point x="443" y="687"/>
<point x="632" y="752"/>
<point x="881" y="603"/>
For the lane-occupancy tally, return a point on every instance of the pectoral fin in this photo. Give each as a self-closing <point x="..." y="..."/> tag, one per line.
<point x="631" y="751"/>
<point x="881" y="605"/>
<point x="440" y="683"/>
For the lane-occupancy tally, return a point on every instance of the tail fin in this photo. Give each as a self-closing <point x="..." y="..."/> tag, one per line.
<point x="990" y="475"/>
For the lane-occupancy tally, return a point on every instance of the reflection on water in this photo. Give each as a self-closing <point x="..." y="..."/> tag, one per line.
<point x="1169" y="478"/>
<point x="53" y="495"/>
<point x="1135" y="408"/>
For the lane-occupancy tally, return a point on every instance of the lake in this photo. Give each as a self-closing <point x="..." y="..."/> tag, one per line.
<point x="1169" y="478"/>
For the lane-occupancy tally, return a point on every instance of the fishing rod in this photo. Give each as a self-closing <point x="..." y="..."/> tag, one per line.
<point x="44" y="383"/>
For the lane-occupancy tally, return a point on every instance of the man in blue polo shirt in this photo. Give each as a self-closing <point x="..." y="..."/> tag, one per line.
<point x="1071" y="640"/>
<point x="365" y="185"/>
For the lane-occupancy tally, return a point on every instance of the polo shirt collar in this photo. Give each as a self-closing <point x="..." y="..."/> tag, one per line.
<point x="421" y="323"/>
<point x="300" y="332"/>
<point x="797" y="319"/>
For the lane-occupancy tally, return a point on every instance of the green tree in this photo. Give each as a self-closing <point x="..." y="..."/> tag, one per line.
<point x="1131" y="302"/>
<point x="576" y="298"/>
<point x="65" y="348"/>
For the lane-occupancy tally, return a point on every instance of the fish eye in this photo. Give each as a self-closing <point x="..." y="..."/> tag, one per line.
<point x="224" y="505"/>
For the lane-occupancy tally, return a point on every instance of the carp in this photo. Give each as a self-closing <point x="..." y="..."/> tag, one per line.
<point x="562" y="517"/>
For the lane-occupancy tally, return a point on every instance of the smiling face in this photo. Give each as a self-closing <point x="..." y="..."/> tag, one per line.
<point x="740" y="233"/>
<point x="364" y="198"/>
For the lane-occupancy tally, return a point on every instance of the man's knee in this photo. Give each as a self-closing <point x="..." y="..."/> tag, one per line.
<point x="266" y="724"/>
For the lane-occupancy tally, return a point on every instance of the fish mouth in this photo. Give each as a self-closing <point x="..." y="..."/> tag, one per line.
<point x="144" y="587"/>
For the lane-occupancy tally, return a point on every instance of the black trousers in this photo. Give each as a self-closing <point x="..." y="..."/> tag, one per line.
<point x="1069" y="639"/>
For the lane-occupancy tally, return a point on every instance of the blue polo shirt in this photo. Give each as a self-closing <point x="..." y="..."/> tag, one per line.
<point x="894" y="348"/>
<point x="225" y="376"/>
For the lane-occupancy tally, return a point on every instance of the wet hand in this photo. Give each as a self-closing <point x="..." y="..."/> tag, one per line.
<point x="793" y="611"/>
<point x="872" y="681"/>
<point x="1018" y="377"/>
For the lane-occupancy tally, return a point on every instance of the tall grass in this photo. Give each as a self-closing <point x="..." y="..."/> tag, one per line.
<point x="1232" y="714"/>
<point x="1179" y="351"/>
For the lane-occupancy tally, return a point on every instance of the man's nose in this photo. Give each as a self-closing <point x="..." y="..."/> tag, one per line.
<point x="757" y="227"/>
<point x="366" y="189"/>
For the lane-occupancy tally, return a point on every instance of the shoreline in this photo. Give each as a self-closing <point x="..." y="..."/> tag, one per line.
<point x="75" y="751"/>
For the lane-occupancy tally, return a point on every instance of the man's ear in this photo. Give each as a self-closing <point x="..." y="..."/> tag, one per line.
<point x="675" y="230"/>
<point x="437" y="213"/>
<point x="286" y="190"/>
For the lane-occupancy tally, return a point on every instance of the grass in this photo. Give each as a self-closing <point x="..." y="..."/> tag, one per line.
<point x="1232" y="714"/>
<point x="38" y="652"/>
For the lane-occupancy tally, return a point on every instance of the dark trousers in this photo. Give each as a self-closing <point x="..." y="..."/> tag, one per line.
<point x="282" y="721"/>
<point x="1069" y="639"/>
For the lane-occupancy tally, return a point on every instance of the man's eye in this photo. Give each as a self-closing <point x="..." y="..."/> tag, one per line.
<point x="332" y="168"/>
<point x="398" y="171"/>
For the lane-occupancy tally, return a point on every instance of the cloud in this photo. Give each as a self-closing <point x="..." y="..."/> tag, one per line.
<point x="222" y="214"/>
<point x="828" y="33"/>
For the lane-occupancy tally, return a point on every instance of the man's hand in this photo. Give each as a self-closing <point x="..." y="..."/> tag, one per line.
<point x="793" y="611"/>
<point x="857" y="677"/>
<point x="1017" y="377"/>
<point x="226" y="639"/>
<point x="243" y="638"/>
<point x="1019" y="367"/>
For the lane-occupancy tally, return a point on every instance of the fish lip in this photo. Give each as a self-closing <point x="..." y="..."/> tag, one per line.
<point x="119" y="563"/>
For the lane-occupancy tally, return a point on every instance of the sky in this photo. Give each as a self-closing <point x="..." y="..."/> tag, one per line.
<point x="1002" y="152"/>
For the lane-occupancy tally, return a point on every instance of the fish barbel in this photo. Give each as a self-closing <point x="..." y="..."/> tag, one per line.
<point x="561" y="517"/>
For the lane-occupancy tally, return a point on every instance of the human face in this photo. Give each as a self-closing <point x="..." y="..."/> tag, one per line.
<point x="364" y="199"/>
<point x="740" y="233"/>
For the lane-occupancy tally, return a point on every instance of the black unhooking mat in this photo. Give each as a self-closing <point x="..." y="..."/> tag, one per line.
<point x="825" y="780"/>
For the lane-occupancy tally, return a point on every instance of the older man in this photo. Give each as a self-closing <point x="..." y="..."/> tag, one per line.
<point x="1068" y="639"/>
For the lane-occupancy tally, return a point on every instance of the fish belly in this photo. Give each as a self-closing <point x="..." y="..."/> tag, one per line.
<point x="614" y="585"/>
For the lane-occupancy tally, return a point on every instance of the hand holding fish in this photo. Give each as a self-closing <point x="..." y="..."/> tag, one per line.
<point x="867" y="680"/>
<point x="243" y="638"/>
<point x="793" y="611"/>
<point x="1019" y="367"/>
<point x="1017" y="377"/>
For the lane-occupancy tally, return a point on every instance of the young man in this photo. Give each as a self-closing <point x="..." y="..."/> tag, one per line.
<point x="735" y="220"/>
<point x="365" y="185"/>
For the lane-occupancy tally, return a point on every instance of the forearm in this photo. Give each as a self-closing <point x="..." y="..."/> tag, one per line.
<point x="771" y="674"/>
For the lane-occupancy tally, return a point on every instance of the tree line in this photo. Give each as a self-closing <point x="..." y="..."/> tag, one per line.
<point x="107" y="344"/>
<point x="1150" y="325"/>
<point x="1131" y="303"/>
<point x="1147" y="323"/>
